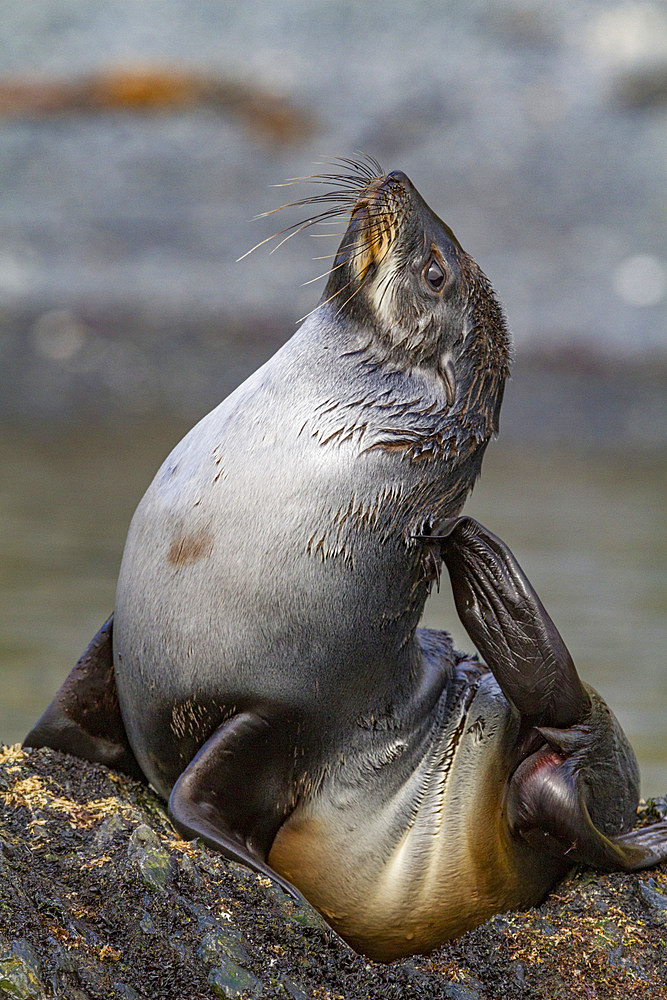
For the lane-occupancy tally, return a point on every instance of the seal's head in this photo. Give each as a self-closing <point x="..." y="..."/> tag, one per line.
<point x="415" y="304"/>
<point x="401" y="271"/>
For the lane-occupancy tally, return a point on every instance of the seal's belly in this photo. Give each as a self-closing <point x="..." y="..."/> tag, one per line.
<point x="412" y="863"/>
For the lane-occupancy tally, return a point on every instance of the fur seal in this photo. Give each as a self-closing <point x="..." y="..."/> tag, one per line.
<point x="268" y="674"/>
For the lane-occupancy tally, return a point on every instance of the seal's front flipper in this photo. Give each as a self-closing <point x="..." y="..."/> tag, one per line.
<point x="236" y="792"/>
<point x="547" y="807"/>
<point x="84" y="717"/>
<point x="506" y="620"/>
<point x="576" y="794"/>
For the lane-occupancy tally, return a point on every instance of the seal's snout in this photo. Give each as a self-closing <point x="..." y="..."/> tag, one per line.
<point x="393" y="189"/>
<point x="398" y="177"/>
<point x="374" y="225"/>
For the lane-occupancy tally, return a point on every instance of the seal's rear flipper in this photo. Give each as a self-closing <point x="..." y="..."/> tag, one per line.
<point x="585" y="776"/>
<point x="84" y="717"/>
<point x="647" y="846"/>
<point x="506" y="620"/>
<point x="547" y="807"/>
<point x="235" y="793"/>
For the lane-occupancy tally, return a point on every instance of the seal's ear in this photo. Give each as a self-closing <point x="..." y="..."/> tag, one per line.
<point x="84" y="717"/>
<point x="547" y="808"/>
<point x="236" y="792"/>
<point x="506" y="620"/>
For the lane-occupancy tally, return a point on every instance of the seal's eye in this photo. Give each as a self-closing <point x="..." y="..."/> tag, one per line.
<point x="434" y="275"/>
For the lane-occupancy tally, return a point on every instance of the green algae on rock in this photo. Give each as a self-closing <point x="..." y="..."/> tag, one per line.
<point x="19" y="971"/>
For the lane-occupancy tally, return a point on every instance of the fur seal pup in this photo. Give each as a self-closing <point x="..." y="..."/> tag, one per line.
<point x="268" y="676"/>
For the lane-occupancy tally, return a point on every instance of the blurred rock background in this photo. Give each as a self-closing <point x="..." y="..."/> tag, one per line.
<point x="138" y="140"/>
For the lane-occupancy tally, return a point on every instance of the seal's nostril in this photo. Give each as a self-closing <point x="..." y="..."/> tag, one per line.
<point x="400" y="178"/>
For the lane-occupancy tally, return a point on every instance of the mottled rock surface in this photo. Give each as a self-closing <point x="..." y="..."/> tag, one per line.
<point x="99" y="899"/>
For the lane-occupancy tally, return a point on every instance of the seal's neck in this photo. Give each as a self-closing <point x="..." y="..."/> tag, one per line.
<point x="399" y="400"/>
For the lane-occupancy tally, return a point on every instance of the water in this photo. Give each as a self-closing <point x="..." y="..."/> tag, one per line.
<point x="586" y="529"/>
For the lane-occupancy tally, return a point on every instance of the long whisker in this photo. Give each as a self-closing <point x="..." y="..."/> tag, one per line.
<point x="364" y="169"/>
<point x="297" y="227"/>
<point x="326" y="273"/>
<point x="339" y="291"/>
<point x="322" y="217"/>
<point x="363" y="281"/>
<point x="387" y="280"/>
<point x="326" y="301"/>
<point x="341" y="209"/>
<point x="366" y="165"/>
<point x="348" y="185"/>
<point x="344" y="180"/>
<point x="341" y="199"/>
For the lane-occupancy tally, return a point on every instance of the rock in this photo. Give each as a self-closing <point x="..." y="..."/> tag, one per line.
<point x="107" y="902"/>
<point x="230" y="980"/>
<point x="456" y="992"/>
<point x="153" y="862"/>
<point x="20" y="972"/>
<point x="124" y="992"/>
<point x="655" y="901"/>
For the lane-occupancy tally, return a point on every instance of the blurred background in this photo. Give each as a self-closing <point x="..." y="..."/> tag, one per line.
<point x="137" y="142"/>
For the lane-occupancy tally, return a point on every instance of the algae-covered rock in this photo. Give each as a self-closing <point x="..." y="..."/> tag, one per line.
<point x="100" y="899"/>
<point x="231" y="980"/>
<point x="20" y="972"/>
<point x="152" y="861"/>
